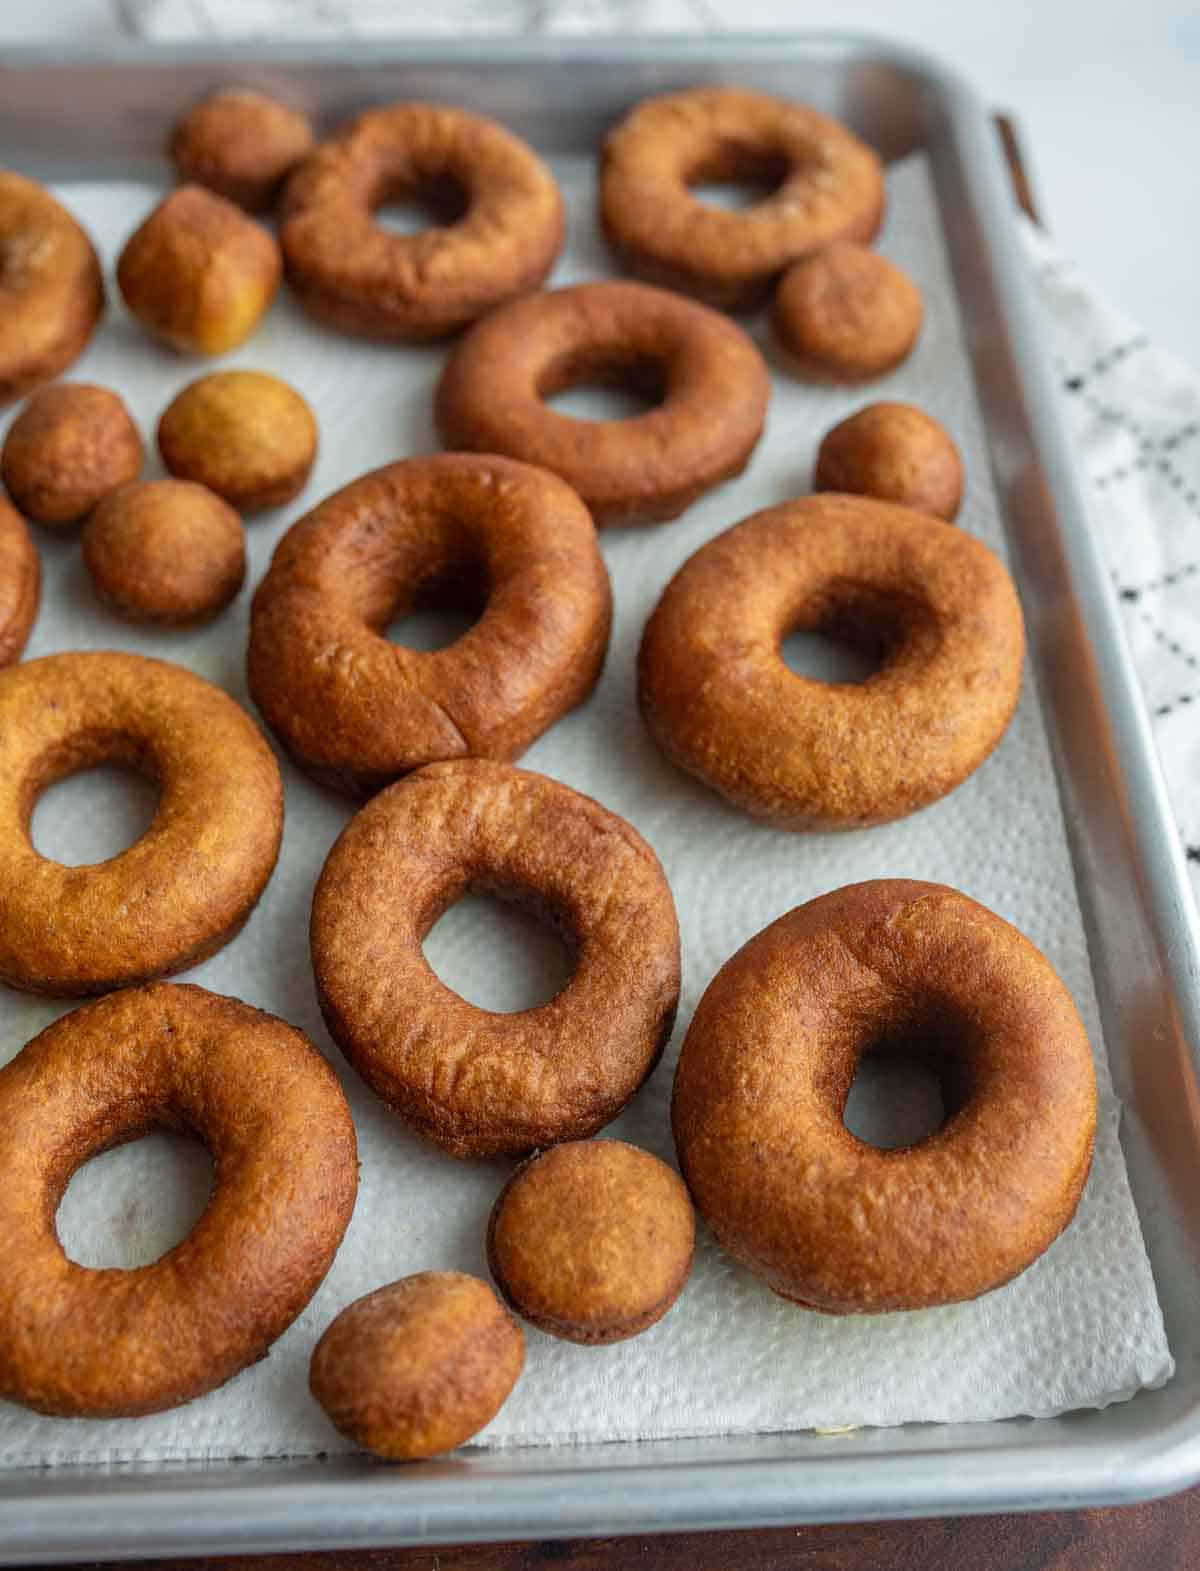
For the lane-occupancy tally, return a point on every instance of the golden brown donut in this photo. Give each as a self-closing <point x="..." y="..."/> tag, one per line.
<point x="240" y="144"/>
<point x="113" y="1344"/>
<point x="185" y="888"/>
<point x="897" y="453"/>
<point x="355" y="710"/>
<point x="478" y="1083"/>
<point x="829" y="188"/>
<point x="712" y="382"/>
<point x="51" y="288"/>
<point x="418" y="1367"/>
<point x="847" y="314"/>
<point x="20" y="583"/>
<point x="502" y="230"/>
<point x="890" y="966"/>
<point x="70" y="446"/>
<point x="165" y="551"/>
<point x="198" y="273"/>
<point x="592" y="1241"/>
<point x="933" y="604"/>
<point x="246" y="435"/>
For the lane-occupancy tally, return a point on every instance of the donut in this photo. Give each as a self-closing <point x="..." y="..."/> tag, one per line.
<point x="165" y="551"/>
<point x="70" y="446"/>
<point x="472" y="1081"/>
<point x="244" y="434"/>
<point x="933" y="604"/>
<point x="825" y="1219"/>
<point x="418" y="1367"/>
<point x="20" y="583"/>
<point x="500" y="229"/>
<point x="846" y="314"/>
<point x="592" y="1241"/>
<point x="51" y="288"/>
<point x="198" y="273"/>
<point x="710" y="381"/>
<point x="356" y="711"/>
<point x="185" y="888"/>
<point x="828" y="187"/>
<point x="897" y="453"/>
<point x="78" y="1343"/>
<point x="240" y="144"/>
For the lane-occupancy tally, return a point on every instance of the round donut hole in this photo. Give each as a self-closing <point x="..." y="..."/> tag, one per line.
<point x="904" y="1088"/>
<point x="92" y="815"/>
<point x="593" y="385"/>
<point x="125" y="1208"/>
<point x="737" y="178"/>
<point x="440" y="612"/>
<point x="501" y="950"/>
<point x="404" y="209"/>
<point x="847" y="641"/>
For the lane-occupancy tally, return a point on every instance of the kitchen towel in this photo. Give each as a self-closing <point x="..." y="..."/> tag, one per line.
<point x="1081" y="1328"/>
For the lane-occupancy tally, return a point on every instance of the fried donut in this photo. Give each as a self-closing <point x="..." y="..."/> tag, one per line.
<point x="895" y="452"/>
<point x="240" y="144"/>
<point x="114" y="1344"/>
<point x="165" y="551"/>
<point x="20" y="583"/>
<point x="826" y="1219"/>
<point x="847" y="314"/>
<point x="185" y="888"/>
<point x="245" y="435"/>
<point x="475" y="1082"/>
<point x="70" y="446"/>
<point x="418" y="1367"/>
<point x="51" y="289"/>
<point x="932" y="603"/>
<point x="829" y="187"/>
<point x="592" y="1241"/>
<point x="712" y="382"/>
<point x="198" y="273"/>
<point x="356" y="711"/>
<point x="502" y="229"/>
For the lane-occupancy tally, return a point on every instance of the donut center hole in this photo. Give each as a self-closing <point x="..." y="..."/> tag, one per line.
<point x="501" y="949"/>
<point x="439" y="611"/>
<point x="93" y="814"/>
<point x="906" y="1085"/>
<point x="846" y="638"/>
<point x="127" y="1207"/>
<point x="436" y="202"/>
<point x="736" y="177"/>
<point x="603" y="384"/>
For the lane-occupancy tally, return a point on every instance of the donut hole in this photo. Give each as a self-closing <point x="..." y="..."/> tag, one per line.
<point x="736" y="176"/>
<point x="851" y="633"/>
<point x="907" y="1083"/>
<point x="127" y="1206"/>
<point x="438" y="611"/>
<point x="502" y="948"/>
<point x="92" y="800"/>
<point x="603" y="384"/>
<point x="412" y="207"/>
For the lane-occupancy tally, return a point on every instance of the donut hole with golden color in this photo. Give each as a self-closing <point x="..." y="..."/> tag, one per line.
<point x="246" y="435"/>
<point x="240" y="144"/>
<point x="71" y="446"/>
<point x="897" y="453"/>
<point x="846" y="314"/>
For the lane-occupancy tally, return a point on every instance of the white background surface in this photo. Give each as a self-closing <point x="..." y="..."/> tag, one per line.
<point x="1107" y="93"/>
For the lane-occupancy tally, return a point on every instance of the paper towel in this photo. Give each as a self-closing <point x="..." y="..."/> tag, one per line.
<point x="1080" y="1328"/>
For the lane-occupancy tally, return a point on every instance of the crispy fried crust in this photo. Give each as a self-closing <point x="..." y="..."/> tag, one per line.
<point x="114" y="1344"/>
<point x="712" y="382"/>
<point x="475" y="1082"/>
<point x="826" y="1219"/>
<point x="932" y="603"/>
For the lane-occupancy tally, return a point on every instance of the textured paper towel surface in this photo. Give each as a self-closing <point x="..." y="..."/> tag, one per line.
<point x="1080" y="1328"/>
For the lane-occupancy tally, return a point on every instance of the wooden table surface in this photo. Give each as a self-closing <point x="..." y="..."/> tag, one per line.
<point x="1163" y="1535"/>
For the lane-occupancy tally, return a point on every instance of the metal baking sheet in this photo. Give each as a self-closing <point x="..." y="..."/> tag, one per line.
<point x="105" y="117"/>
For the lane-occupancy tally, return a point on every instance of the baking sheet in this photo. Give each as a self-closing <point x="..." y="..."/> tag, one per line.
<point x="1081" y="1328"/>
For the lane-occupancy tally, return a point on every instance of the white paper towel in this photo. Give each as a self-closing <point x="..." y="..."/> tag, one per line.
<point x="1080" y="1328"/>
